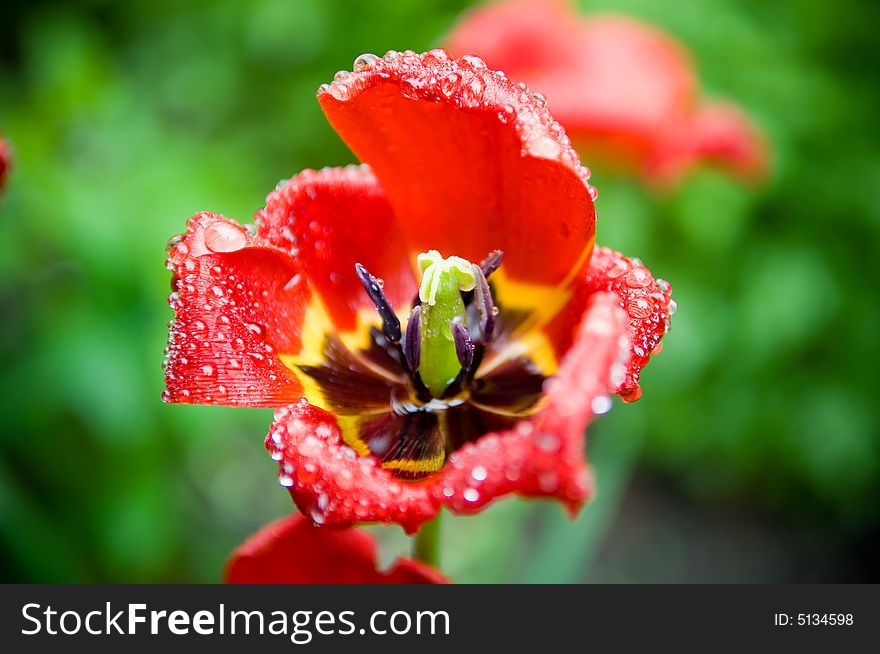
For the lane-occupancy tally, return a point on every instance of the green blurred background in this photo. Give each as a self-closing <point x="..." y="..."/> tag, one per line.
<point x="753" y="456"/>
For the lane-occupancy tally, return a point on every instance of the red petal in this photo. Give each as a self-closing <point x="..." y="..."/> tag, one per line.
<point x="716" y="132"/>
<point x="294" y="551"/>
<point x="647" y="302"/>
<point x="626" y="92"/>
<point x="235" y="309"/>
<point x="470" y="161"/>
<point x="330" y="220"/>
<point x="542" y="456"/>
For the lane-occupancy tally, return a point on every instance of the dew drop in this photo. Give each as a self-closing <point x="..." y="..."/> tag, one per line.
<point x="172" y="242"/>
<point x="548" y="443"/>
<point x="408" y="89"/>
<point x="257" y="330"/>
<point x="548" y="481"/>
<point x="317" y="517"/>
<point x="617" y="269"/>
<point x="479" y="473"/>
<point x="472" y="92"/>
<point x="471" y="494"/>
<point x="637" y="278"/>
<point x="434" y="56"/>
<point x="601" y="404"/>
<point x="340" y="91"/>
<point x="323" y="88"/>
<point x="285" y="480"/>
<point x="640" y="307"/>
<point x="474" y="60"/>
<point x="364" y="61"/>
<point x="221" y="236"/>
<point x="450" y="84"/>
<point x="178" y="253"/>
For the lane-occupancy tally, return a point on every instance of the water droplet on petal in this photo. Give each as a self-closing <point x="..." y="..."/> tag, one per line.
<point x="479" y="473"/>
<point x="637" y="278"/>
<point x="474" y="61"/>
<point x="221" y="236"/>
<point x="340" y="91"/>
<point x="450" y="84"/>
<point x="409" y="90"/>
<point x="364" y="61"/>
<point x="471" y="494"/>
<point x="472" y="92"/>
<point x="640" y="307"/>
<point x="285" y="480"/>
<point x="434" y="56"/>
<point x="601" y="404"/>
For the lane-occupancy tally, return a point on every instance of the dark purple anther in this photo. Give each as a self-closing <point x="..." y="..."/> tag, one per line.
<point x="390" y="322"/>
<point x="464" y="346"/>
<point x="412" y="344"/>
<point x="491" y="263"/>
<point x="485" y="305"/>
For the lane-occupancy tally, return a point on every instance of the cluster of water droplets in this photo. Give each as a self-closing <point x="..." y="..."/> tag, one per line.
<point x="649" y="307"/>
<point x="214" y="342"/>
<point x="466" y="82"/>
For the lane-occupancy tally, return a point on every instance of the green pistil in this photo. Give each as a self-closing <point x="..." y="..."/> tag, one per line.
<point x="443" y="281"/>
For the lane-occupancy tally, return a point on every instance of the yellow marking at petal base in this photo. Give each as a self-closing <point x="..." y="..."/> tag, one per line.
<point x="543" y="303"/>
<point x="412" y="465"/>
<point x="316" y="327"/>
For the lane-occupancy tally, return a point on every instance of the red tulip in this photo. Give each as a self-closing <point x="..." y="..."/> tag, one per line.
<point x="294" y="551"/>
<point x="399" y="396"/>
<point x="626" y="92"/>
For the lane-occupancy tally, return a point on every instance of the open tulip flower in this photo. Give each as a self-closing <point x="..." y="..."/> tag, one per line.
<point x="626" y="92"/>
<point x="293" y="551"/>
<point x="435" y="327"/>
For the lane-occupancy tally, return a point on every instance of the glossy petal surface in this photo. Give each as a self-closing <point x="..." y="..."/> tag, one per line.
<point x="235" y="309"/>
<point x="469" y="161"/>
<point x="330" y="220"/>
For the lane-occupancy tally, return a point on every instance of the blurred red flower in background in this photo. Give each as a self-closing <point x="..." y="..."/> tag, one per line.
<point x="294" y="551"/>
<point x="466" y="162"/>
<point x="626" y="92"/>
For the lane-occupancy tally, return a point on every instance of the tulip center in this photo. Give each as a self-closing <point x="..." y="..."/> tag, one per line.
<point x="412" y="396"/>
<point x="451" y="323"/>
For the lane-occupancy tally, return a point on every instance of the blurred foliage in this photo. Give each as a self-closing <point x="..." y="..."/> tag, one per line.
<point x="126" y="118"/>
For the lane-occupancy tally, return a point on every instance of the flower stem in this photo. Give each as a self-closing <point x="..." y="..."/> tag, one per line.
<point x="426" y="543"/>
